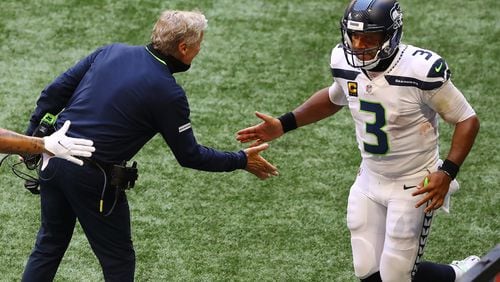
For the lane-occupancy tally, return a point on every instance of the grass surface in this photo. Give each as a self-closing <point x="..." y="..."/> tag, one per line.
<point x="257" y="55"/>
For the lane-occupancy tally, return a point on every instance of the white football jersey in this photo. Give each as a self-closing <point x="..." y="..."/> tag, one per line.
<point x="396" y="113"/>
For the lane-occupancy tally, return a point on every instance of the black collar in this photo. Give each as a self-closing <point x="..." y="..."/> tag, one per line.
<point x="173" y="64"/>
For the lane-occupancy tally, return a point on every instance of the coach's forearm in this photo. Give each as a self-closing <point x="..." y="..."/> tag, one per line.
<point x="316" y="108"/>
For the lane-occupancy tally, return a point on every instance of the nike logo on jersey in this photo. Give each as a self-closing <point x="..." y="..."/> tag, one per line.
<point x="408" y="187"/>
<point x="437" y="69"/>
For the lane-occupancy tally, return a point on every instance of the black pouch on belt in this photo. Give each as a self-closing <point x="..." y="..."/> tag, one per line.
<point x="123" y="177"/>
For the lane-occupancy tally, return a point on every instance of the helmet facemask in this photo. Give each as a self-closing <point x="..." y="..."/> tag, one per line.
<point x="384" y="17"/>
<point x="358" y="57"/>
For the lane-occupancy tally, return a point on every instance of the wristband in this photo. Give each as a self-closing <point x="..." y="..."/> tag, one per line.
<point x="450" y="168"/>
<point x="288" y="122"/>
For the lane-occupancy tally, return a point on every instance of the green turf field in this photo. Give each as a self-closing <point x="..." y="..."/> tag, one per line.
<point x="257" y="55"/>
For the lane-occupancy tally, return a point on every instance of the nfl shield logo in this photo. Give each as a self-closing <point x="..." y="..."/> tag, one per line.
<point x="369" y="89"/>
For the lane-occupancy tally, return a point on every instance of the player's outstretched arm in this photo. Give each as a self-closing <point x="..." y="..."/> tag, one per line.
<point x="257" y="165"/>
<point x="269" y="129"/>
<point x="316" y="108"/>
<point x="15" y="143"/>
<point x="57" y="145"/>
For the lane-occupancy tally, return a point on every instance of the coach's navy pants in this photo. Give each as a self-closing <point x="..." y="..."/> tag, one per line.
<point x="69" y="192"/>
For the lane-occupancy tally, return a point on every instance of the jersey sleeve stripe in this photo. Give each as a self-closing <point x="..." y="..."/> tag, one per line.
<point x="345" y="74"/>
<point x="413" y="82"/>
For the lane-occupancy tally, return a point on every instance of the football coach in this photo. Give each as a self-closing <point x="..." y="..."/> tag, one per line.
<point x="120" y="96"/>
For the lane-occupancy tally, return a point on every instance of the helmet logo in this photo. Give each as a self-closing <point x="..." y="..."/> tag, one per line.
<point x="396" y="16"/>
<point x="353" y="25"/>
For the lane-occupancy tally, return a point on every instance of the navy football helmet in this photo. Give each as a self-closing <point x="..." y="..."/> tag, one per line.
<point x="371" y="16"/>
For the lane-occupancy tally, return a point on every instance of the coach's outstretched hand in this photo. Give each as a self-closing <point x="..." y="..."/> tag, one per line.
<point x="267" y="130"/>
<point x="257" y="165"/>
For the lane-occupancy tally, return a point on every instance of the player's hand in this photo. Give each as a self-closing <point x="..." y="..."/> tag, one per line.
<point x="435" y="191"/>
<point x="62" y="146"/>
<point x="257" y="165"/>
<point x="265" y="131"/>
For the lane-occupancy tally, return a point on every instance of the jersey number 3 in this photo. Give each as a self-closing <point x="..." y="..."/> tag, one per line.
<point x="375" y="128"/>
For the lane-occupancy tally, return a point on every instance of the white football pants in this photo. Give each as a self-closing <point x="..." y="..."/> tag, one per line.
<point x="385" y="226"/>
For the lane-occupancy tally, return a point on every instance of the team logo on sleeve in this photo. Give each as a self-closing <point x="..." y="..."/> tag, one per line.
<point x="352" y="88"/>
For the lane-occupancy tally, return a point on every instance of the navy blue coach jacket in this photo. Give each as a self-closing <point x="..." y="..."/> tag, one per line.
<point x="120" y="96"/>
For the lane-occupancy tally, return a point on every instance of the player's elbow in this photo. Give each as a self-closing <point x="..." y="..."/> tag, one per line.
<point x="474" y="124"/>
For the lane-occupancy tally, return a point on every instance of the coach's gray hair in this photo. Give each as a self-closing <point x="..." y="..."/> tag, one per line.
<point x="173" y="27"/>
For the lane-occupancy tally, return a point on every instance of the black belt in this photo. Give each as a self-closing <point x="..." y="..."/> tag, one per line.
<point x="97" y="164"/>
<point x="121" y="178"/>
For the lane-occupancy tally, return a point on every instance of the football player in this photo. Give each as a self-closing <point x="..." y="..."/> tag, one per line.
<point x="395" y="93"/>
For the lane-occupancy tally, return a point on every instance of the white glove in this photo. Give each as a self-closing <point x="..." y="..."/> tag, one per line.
<point x="66" y="147"/>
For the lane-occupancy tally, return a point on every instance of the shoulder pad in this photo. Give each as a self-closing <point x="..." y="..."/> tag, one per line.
<point x="339" y="66"/>
<point x="439" y="69"/>
<point x="337" y="58"/>
<point x="427" y="65"/>
<point x="420" y="68"/>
